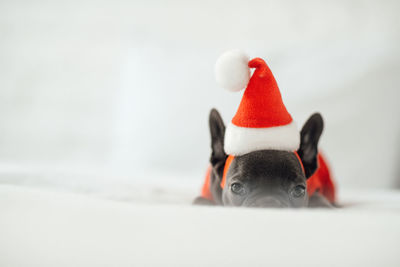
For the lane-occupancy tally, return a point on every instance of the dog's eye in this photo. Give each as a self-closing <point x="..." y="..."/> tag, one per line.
<point x="238" y="189"/>
<point x="298" y="191"/>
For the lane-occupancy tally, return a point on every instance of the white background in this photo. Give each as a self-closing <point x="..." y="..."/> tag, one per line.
<point x="111" y="99"/>
<point x="122" y="89"/>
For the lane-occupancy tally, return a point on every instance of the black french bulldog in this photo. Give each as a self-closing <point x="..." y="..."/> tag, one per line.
<point x="265" y="178"/>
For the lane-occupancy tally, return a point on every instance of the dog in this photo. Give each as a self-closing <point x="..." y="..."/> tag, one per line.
<point x="268" y="178"/>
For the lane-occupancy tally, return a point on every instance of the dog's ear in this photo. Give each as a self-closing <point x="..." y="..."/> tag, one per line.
<point x="217" y="130"/>
<point x="308" y="151"/>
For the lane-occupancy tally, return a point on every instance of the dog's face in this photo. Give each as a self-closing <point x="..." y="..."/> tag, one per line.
<point x="267" y="178"/>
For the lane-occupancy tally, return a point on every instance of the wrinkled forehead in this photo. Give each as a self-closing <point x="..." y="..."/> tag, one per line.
<point x="266" y="163"/>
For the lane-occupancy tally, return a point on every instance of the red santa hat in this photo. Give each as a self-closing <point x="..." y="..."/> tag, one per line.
<point x="261" y="121"/>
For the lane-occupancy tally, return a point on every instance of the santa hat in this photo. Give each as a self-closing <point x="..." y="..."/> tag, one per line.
<point x="261" y="121"/>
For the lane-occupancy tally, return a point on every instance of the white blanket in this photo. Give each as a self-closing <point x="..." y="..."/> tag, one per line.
<point x="48" y="228"/>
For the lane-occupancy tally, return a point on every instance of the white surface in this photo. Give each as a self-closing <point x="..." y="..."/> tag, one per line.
<point x="41" y="228"/>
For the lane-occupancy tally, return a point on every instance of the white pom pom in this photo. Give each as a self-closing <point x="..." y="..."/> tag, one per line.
<point x="231" y="70"/>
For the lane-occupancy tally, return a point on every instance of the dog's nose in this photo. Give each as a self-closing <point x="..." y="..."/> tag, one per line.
<point x="268" y="202"/>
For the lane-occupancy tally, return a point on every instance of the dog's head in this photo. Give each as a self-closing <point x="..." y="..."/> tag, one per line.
<point x="266" y="178"/>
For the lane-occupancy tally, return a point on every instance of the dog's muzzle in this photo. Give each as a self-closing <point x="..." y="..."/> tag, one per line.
<point x="266" y="202"/>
